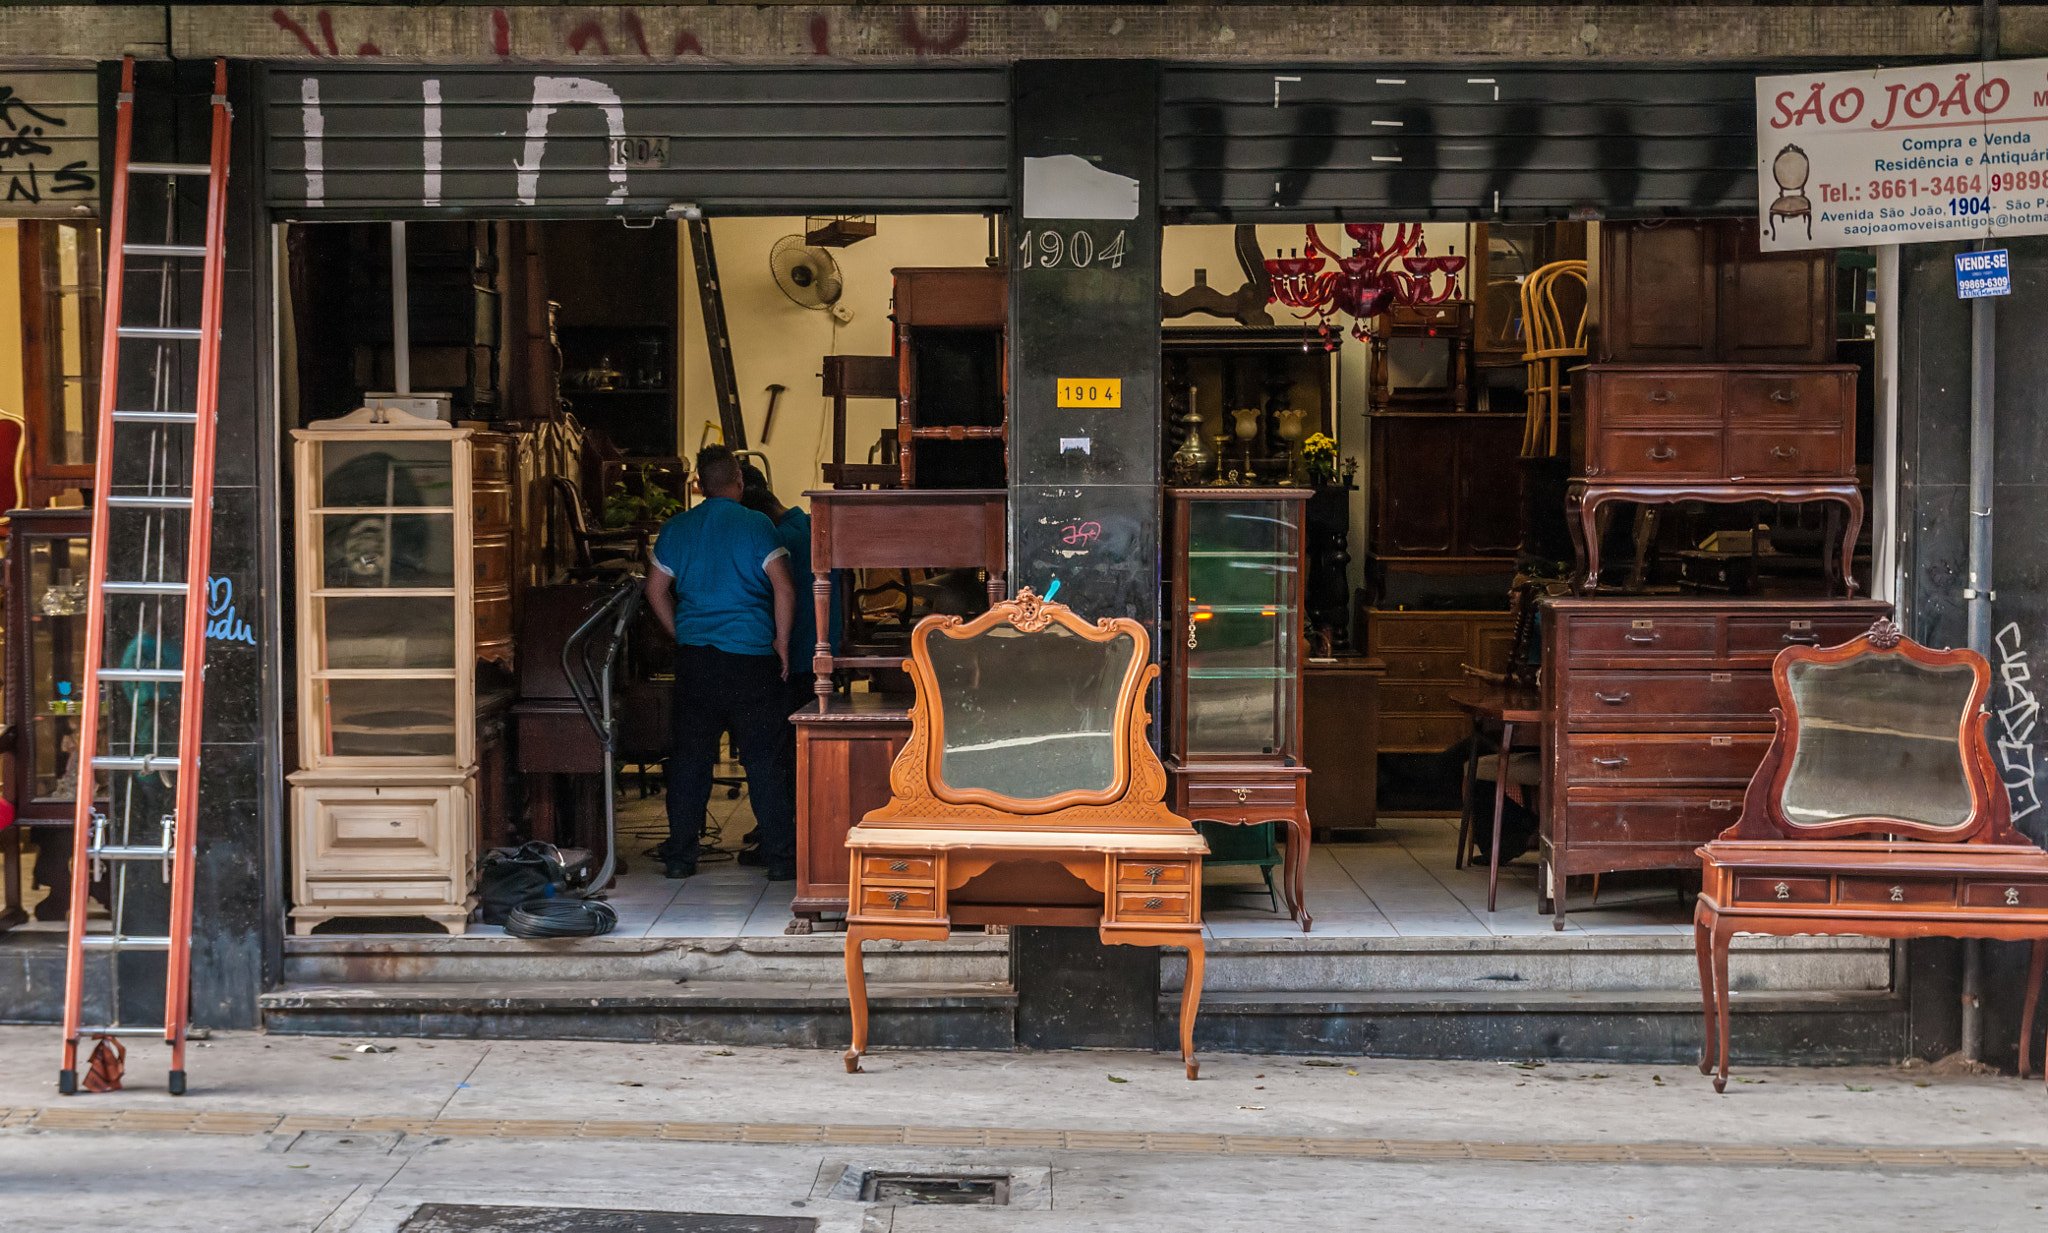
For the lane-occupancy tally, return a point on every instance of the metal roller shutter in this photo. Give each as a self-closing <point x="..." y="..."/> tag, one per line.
<point x="390" y="143"/>
<point x="1278" y="144"/>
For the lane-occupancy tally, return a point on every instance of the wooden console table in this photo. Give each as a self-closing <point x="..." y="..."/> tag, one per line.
<point x="1027" y="794"/>
<point x="1583" y="501"/>
<point x="1878" y="811"/>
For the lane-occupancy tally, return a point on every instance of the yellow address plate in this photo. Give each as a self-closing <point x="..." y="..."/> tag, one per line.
<point x="1091" y="392"/>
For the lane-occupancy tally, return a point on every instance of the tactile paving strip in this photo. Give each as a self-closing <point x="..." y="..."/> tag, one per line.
<point x="172" y="1121"/>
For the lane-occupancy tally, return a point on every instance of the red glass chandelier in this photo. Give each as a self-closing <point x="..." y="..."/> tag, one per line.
<point x="1367" y="283"/>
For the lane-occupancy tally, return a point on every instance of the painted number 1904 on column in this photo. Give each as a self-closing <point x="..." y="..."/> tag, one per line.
<point x="1077" y="250"/>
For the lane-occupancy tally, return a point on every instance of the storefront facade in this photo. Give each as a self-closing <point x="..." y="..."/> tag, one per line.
<point x="377" y="115"/>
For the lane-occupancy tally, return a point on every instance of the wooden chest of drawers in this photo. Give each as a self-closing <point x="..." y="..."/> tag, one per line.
<point x="1426" y="654"/>
<point x="1657" y="713"/>
<point x="1737" y="424"/>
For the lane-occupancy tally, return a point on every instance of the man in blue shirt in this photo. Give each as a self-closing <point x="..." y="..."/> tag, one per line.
<point x="721" y="584"/>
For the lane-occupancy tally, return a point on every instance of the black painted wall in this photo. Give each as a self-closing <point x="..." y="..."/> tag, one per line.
<point x="1934" y="518"/>
<point x="1088" y="517"/>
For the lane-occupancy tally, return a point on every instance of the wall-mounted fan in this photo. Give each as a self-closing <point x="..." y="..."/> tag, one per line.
<point x="808" y="276"/>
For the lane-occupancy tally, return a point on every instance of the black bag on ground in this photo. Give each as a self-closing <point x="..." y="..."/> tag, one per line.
<point x="1518" y="826"/>
<point x="508" y="877"/>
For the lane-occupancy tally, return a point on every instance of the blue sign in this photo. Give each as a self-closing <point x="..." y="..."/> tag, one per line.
<point x="1981" y="273"/>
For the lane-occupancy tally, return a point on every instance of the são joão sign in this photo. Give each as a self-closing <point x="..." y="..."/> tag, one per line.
<point x="1901" y="156"/>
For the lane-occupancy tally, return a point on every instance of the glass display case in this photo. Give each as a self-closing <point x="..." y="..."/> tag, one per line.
<point x="1233" y="692"/>
<point x="46" y="581"/>
<point x="387" y="729"/>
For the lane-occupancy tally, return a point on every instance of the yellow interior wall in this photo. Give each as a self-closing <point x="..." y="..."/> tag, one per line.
<point x="775" y="341"/>
<point x="12" y="399"/>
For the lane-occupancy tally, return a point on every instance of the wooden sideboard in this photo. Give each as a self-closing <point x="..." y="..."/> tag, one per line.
<point x="1426" y="654"/>
<point x="1656" y="713"/>
<point x="843" y="756"/>
<point x="1340" y="741"/>
<point x="1716" y="432"/>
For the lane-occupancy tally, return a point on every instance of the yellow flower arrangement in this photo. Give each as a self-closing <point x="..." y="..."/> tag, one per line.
<point x="1317" y="446"/>
<point x="1320" y="453"/>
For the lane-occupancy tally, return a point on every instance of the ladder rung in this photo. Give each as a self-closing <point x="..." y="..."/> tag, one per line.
<point x="169" y="169"/>
<point x="141" y="674"/>
<point x="163" y="250"/>
<point x="156" y="417"/>
<point x="86" y="1033"/>
<point x="130" y="853"/>
<point x="152" y="502"/>
<point x="158" y="331"/>
<point x="110" y="941"/>
<point x="143" y="588"/>
<point x="139" y="762"/>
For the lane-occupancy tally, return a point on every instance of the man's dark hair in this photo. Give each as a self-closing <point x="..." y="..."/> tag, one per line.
<point x="754" y="490"/>
<point x="717" y="468"/>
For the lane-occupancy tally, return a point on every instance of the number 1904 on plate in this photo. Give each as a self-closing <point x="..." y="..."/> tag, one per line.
<point x="1091" y="392"/>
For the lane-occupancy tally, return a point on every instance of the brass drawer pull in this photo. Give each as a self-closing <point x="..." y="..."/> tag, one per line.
<point x="1155" y="904"/>
<point x="1641" y="639"/>
<point x="899" y="866"/>
<point x="896" y="898"/>
<point x="1153" y="872"/>
<point x="1610" y="762"/>
<point x="1720" y="803"/>
<point x="1613" y="699"/>
<point x="1784" y="451"/>
<point x="1243" y="794"/>
<point x="1660" y="452"/>
<point x="1659" y="395"/>
<point x="1784" y="891"/>
<point x="1784" y="394"/>
<point x="1898" y="894"/>
<point x="2012" y="896"/>
<point x="1191" y="633"/>
<point x="1803" y="639"/>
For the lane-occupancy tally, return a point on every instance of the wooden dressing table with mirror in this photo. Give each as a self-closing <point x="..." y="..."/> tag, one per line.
<point x="1878" y="811"/>
<point x="1027" y="795"/>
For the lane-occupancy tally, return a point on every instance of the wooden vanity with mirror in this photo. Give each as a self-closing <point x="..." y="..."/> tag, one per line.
<point x="1027" y="795"/>
<point x="1878" y="811"/>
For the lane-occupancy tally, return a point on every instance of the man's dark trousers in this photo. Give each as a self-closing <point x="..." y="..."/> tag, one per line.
<point x="717" y="692"/>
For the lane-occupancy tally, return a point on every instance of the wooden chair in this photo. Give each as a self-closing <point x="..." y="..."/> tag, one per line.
<point x="1552" y="333"/>
<point x="598" y="550"/>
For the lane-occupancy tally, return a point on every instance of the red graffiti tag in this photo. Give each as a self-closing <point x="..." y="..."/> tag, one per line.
<point x="639" y="33"/>
<point x="821" y="36"/>
<point x="501" y="33"/>
<point x="326" y="22"/>
<point x="918" y="41"/>
<point x="1080" y="533"/>
<point x="581" y="36"/>
<point x="284" y="22"/>
<point x="687" y="42"/>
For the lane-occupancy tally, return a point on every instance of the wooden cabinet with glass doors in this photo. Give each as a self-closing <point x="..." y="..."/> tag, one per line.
<point x="383" y="812"/>
<point x="1234" y="663"/>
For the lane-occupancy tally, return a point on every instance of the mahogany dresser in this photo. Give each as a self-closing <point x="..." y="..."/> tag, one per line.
<point x="1426" y="654"/>
<point x="1656" y="713"/>
<point x="1715" y="432"/>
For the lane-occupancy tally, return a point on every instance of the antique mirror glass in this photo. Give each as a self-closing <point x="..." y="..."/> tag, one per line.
<point x="1879" y="737"/>
<point x="1029" y="715"/>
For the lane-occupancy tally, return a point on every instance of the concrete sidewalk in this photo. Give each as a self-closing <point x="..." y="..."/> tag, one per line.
<point x="307" y="1133"/>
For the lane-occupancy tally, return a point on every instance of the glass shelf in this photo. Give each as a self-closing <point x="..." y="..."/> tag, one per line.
<point x="1238" y="674"/>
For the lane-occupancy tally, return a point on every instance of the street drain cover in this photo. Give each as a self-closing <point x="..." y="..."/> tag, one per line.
<point x="469" y="1218"/>
<point x="961" y="1189"/>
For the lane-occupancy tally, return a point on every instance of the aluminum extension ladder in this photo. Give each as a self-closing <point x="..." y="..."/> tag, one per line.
<point x="152" y="528"/>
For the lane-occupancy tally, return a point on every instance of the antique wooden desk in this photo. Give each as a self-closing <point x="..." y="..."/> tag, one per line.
<point x="1027" y="794"/>
<point x="1878" y="811"/>
<point x="923" y="528"/>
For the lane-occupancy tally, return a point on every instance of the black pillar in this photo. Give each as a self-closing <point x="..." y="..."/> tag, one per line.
<point x="1084" y="306"/>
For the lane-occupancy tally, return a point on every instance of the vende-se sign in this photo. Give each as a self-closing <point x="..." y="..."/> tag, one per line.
<point x="1901" y="156"/>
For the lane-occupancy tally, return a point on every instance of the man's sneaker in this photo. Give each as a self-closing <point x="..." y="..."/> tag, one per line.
<point x="750" y="855"/>
<point x="679" y="869"/>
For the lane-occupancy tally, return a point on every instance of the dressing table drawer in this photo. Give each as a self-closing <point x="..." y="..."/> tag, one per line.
<point x="1895" y="890"/>
<point x="2005" y="895"/>
<point x="899" y="901"/>
<point x="1700" y="699"/>
<point x="1767" y="889"/>
<point x="1241" y="795"/>
<point x="911" y="869"/>
<point x="1137" y="905"/>
<point x="1175" y="875"/>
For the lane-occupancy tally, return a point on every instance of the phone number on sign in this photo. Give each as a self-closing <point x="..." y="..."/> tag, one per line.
<point x="1894" y="190"/>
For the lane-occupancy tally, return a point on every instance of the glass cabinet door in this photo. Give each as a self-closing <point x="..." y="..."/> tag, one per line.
<point x="1239" y="626"/>
<point x="383" y="599"/>
<point x="56" y="576"/>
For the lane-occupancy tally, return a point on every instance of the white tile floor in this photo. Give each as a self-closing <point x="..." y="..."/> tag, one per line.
<point x="1399" y="882"/>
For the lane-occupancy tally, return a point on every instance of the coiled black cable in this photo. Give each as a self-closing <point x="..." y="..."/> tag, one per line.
<point x="561" y="918"/>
